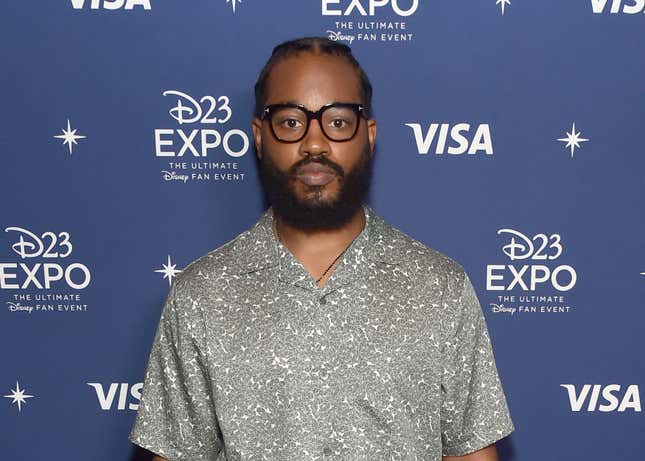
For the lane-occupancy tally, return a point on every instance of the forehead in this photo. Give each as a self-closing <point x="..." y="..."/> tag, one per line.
<point x="313" y="80"/>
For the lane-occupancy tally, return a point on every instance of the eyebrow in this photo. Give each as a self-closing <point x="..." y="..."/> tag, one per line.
<point x="300" y="104"/>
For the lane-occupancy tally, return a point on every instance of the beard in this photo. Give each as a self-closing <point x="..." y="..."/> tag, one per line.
<point x="316" y="212"/>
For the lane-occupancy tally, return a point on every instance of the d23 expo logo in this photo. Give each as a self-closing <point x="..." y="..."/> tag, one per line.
<point x="42" y="280"/>
<point x="369" y="20"/>
<point x="535" y="281"/>
<point x="202" y="135"/>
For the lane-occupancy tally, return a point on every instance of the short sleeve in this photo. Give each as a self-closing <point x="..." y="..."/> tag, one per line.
<point x="474" y="411"/>
<point x="176" y="417"/>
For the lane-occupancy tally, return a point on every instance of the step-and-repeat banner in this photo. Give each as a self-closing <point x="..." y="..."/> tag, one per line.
<point x="510" y="139"/>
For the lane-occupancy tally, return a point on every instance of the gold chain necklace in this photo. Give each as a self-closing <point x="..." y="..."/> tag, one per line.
<point x="277" y="231"/>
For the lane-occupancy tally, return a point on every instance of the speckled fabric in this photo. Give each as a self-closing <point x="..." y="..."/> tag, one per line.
<point x="390" y="360"/>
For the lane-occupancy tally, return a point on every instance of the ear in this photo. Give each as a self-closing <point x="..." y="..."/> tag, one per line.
<point x="371" y="133"/>
<point x="256" y="125"/>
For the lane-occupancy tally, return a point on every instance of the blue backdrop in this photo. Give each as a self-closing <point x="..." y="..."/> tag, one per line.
<point x="126" y="154"/>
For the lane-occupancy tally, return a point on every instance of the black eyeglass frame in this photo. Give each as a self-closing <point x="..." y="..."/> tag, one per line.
<point x="359" y="109"/>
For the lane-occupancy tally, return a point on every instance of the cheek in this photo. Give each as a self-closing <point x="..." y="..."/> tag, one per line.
<point x="349" y="156"/>
<point x="282" y="155"/>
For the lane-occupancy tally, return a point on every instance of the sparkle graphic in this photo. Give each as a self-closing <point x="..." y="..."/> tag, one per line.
<point x="18" y="396"/>
<point x="573" y="140"/>
<point x="233" y="3"/>
<point x="169" y="270"/>
<point x="69" y="136"/>
<point x="503" y="4"/>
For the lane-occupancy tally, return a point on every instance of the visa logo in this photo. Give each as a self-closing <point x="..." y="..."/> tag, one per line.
<point x="628" y="6"/>
<point x="610" y="397"/>
<point x="106" y="399"/>
<point x="455" y="140"/>
<point x="111" y="4"/>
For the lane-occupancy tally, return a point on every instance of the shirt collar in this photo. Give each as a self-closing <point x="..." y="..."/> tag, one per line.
<point x="258" y="249"/>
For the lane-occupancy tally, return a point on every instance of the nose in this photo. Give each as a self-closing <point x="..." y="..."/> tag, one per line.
<point x="315" y="142"/>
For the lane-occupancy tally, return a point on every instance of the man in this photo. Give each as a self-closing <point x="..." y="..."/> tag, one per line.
<point x="321" y="332"/>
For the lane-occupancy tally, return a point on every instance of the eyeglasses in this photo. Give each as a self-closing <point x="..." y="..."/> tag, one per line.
<point x="290" y="122"/>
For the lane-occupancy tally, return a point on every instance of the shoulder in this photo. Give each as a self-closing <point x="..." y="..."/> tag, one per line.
<point x="398" y="246"/>
<point x="208" y="273"/>
<point x="438" y="279"/>
<point x="420" y="260"/>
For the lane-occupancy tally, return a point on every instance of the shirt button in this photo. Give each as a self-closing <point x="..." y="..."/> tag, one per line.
<point x="327" y="451"/>
<point x="323" y="300"/>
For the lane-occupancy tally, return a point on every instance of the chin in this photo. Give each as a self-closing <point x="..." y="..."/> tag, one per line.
<point x="317" y="204"/>
<point x="317" y="195"/>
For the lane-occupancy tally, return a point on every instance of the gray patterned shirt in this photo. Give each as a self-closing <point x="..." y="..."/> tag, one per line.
<point x="390" y="360"/>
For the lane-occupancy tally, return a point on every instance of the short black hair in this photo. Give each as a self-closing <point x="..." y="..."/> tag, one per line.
<point x="317" y="46"/>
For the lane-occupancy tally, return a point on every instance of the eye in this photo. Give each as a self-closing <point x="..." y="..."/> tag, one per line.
<point x="291" y="123"/>
<point x="338" y="123"/>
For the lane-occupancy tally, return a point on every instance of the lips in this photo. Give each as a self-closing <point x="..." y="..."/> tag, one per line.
<point x="315" y="174"/>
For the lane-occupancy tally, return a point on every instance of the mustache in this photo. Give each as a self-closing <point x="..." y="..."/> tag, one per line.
<point x="293" y="171"/>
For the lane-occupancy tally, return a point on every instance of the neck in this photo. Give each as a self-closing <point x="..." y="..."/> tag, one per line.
<point x="320" y="243"/>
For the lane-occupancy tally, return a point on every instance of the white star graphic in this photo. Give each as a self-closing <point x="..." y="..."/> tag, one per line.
<point x="573" y="140"/>
<point x="169" y="270"/>
<point x="69" y="136"/>
<point x="233" y="3"/>
<point x="504" y="3"/>
<point x="18" y="395"/>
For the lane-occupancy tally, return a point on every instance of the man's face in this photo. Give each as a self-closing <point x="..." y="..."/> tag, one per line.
<point x="323" y="200"/>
